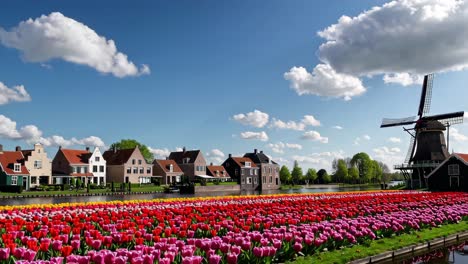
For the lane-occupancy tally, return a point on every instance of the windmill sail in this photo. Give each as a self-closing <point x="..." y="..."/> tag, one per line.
<point x="389" y="122"/>
<point x="426" y="95"/>
<point x="411" y="148"/>
<point x="447" y="119"/>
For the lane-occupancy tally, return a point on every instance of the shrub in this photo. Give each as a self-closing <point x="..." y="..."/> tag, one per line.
<point x="11" y="188"/>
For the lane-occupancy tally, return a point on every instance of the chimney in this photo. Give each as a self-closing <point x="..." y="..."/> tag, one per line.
<point x="87" y="149"/>
<point x="114" y="149"/>
<point x="167" y="158"/>
<point x="60" y="147"/>
<point x="230" y="155"/>
<point x="255" y="151"/>
<point x="18" y="148"/>
<point x="261" y="151"/>
<point x="183" y="149"/>
<point x="211" y="163"/>
<point x="1" y="148"/>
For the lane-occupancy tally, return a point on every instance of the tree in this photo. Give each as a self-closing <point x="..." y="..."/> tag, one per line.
<point x="296" y="173"/>
<point x="377" y="170"/>
<point x="132" y="143"/>
<point x="362" y="162"/>
<point x="285" y="175"/>
<point x="320" y="175"/>
<point x="341" y="172"/>
<point x="311" y="175"/>
<point x="353" y="174"/>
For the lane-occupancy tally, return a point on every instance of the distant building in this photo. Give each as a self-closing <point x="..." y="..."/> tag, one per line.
<point x="269" y="170"/>
<point x="450" y="175"/>
<point x="89" y="167"/>
<point x="127" y="165"/>
<point x="217" y="172"/>
<point x="12" y="169"/>
<point x="244" y="171"/>
<point x="191" y="162"/>
<point x="38" y="165"/>
<point x="167" y="170"/>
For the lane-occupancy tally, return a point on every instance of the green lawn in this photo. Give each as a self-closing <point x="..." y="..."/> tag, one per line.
<point x="382" y="245"/>
<point x="143" y="188"/>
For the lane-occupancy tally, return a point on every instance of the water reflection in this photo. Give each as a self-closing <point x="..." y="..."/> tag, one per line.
<point x="56" y="200"/>
<point x="454" y="254"/>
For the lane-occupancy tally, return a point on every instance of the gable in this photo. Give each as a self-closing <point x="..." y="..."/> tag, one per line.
<point x="442" y="169"/>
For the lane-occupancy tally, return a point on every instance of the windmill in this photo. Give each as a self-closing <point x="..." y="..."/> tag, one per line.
<point x="427" y="147"/>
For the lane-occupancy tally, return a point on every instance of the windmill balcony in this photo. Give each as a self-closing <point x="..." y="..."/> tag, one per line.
<point x="419" y="164"/>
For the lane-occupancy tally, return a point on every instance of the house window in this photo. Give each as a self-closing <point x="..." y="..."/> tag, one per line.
<point x="148" y="170"/>
<point x="168" y="179"/>
<point x="95" y="168"/>
<point x="255" y="180"/>
<point x="96" y="159"/>
<point x="34" y="180"/>
<point x="242" y="171"/>
<point x="252" y="171"/>
<point x="38" y="164"/>
<point x="249" y="180"/>
<point x="255" y="171"/>
<point x="139" y="162"/>
<point x="85" y="169"/>
<point x="133" y="161"/>
<point x="129" y="170"/>
<point x="101" y="168"/>
<point x="78" y="169"/>
<point x="247" y="164"/>
<point x="171" y="168"/>
<point x="95" y="180"/>
<point x="453" y="169"/>
<point x="14" y="180"/>
<point x="135" y="170"/>
<point x="264" y="179"/>
<point x="243" y="180"/>
<point x="271" y="179"/>
<point x="186" y="160"/>
<point x="17" y="167"/>
<point x="73" y="169"/>
<point x="142" y="170"/>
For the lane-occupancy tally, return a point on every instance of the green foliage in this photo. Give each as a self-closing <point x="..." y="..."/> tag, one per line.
<point x="377" y="171"/>
<point x="296" y="173"/>
<point x="341" y="172"/>
<point x="132" y="143"/>
<point x="311" y="175"/>
<point x="78" y="183"/>
<point x="285" y="175"/>
<point x="353" y="174"/>
<point x="323" y="176"/>
<point x="363" y="163"/>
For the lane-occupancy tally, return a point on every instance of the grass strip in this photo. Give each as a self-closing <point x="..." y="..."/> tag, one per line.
<point x="379" y="246"/>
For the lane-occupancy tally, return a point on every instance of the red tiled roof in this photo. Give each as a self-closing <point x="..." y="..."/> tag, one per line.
<point x="242" y="160"/>
<point x="463" y="156"/>
<point x="164" y="164"/>
<point x="211" y="171"/>
<point x="8" y="160"/>
<point x="75" y="156"/>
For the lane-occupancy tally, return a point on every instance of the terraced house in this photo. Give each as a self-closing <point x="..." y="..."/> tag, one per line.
<point x="38" y="165"/>
<point x="89" y="167"/>
<point x="12" y="170"/>
<point x="127" y="165"/>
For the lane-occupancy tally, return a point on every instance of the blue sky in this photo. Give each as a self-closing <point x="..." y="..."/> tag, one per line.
<point x="192" y="67"/>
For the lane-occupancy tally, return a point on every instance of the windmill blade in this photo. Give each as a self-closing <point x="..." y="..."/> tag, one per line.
<point x="426" y="95"/>
<point x="389" y="122"/>
<point x="411" y="148"/>
<point x="447" y="119"/>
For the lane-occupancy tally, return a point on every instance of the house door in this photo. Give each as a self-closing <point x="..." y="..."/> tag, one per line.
<point x="25" y="183"/>
<point x="454" y="182"/>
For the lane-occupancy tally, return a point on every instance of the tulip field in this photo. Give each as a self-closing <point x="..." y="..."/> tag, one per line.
<point x="242" y="229"/>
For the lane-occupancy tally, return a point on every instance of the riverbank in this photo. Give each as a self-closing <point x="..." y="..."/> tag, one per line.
<point x="376" y="247"/>
<point x="329" y="186"/>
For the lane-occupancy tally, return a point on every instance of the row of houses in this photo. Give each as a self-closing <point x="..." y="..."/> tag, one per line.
<point x="31" y="168"/>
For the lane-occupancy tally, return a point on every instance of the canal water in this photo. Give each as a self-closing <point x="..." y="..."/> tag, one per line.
<point x="457" y="254"/>
<point x="73" y="199"/>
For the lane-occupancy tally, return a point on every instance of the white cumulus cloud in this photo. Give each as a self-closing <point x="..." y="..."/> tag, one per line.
<point x="394" y="140"/>
<point x="280" y="147"/>
<point x="399" y="37"/>
<point x="291" y="125"/>
<point x="56" y="36"/>
<point x="314" y="136"/>
<point x="262" y="136"/>
<point x="324" y="81"/>
<point x="404" y="78"/>
<point x="15" y="94"/>
<point x="457" y="136"/>
<point x="256" y="118"/>
<point x="338" y="127"/>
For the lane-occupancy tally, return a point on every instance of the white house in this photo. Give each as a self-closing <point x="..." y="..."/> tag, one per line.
<point x="97" y="166"/>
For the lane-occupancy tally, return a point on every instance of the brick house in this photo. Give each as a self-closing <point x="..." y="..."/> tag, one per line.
<point x="244" y="171"/>
<point x="12" y="169"/>
<point x="89" y="167"/>
<point x="167" y="170"/>
<point x="218" y="172"/>
<point x="191" y="162"/>
<point x="269" y="170"/>
<point x="127" y="165"/>
<point x="38" y="165"/>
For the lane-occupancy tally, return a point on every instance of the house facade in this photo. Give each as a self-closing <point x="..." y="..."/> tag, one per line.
<point x="127" y="166"/>
<point x="167" y="171"/>
<point x="450" y="175"/>
<point x="12" y="169"/>
<point x="269" y="170"/>
<point x="217" y="172"/>
<point x="191" y="162"/>
<point x="97" y="166"/>
<point x="71" y="164"/>
<point x="244" y="171"/>
<point x="38" y="165"/>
